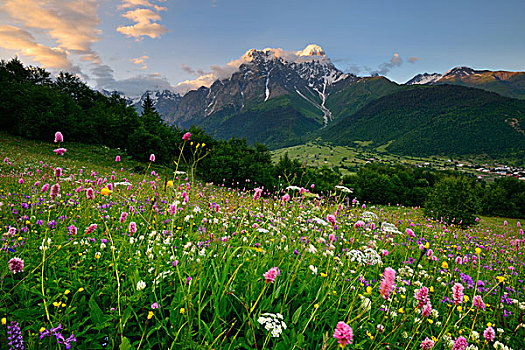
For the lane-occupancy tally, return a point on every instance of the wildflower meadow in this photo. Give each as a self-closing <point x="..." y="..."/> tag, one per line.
<point x="101" y="257"/>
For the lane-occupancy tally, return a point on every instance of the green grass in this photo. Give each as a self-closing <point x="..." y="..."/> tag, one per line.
<point x="202" y="253"/>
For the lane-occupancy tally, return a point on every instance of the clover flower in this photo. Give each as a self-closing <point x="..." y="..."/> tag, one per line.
<point x="186" y="136"/>
<point x="427" y="344"/>
<point x="477" y="302"/>
<point x="489" y="334"/>
<point x="141" y="285"/>
<point x="16" y="265"/>
<point x="132" y="227"/>
<point x="272" y="274"/>
<point x="460" y="344"/>
<point x="343" y="333"/>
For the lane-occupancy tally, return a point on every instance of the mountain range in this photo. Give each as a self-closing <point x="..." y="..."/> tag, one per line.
<point x="283" y="101"/>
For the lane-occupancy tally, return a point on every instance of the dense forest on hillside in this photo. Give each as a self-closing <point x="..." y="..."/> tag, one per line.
<point x="432" y="120"/>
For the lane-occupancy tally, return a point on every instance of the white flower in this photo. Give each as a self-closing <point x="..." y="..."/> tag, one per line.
<point x="320" y="221"/>
<point x="141" y="285"/>
<point x="313" y="269"/>
<point x="344" y="189"/>
<point x="312" y="249"/>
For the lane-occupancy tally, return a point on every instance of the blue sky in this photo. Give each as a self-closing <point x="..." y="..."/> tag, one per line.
<point x="134" y="45"/>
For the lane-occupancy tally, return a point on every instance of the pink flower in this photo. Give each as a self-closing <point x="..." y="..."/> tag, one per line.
<point x="55" y="189"/>
<point x="477" y="302"/>
<point x="72" y="230"/>
<point x="45" y="188"/>
<point x="331" y="219"/>
<point x="460" y="344"/>
<point x="132" y="227"/>
<point x="123" y="217"/>
<point x="410" y="232"/>
<point x="421" y="296"/>
<point x="58" y="172"/>
<point x="16" y="265"/>
<point x="154" y="306"/>
<point x="257" y="193"/>
<point x="457" y="293"/>
<point x="90" y="194"/>
<point x="186" y="136"/>
<point x="426" y="311"/>
<point x="91" y="229"/>
<point x="20" y="181"/>
<point x="152" y="157"/>
<point x="387" y="283"/>
<point x="59" y="137"/>
<point x="286" y="197"/>
<point x="172" y="209"/>
<point x="343" y="333"/>
<point x="489" y="334"/>
<point x="505" y="223"/>
<point x="117" y="159"/>
<point x="60" y="151"/>
<point x="359" y="224"/>
<point x="427" y="344"/>
<point x="272" y="274"/>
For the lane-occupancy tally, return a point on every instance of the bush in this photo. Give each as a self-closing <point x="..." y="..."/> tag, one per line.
<point x="455" y="199"/>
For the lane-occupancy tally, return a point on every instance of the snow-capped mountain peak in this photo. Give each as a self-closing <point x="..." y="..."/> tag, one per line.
<point x="424" y="79"/>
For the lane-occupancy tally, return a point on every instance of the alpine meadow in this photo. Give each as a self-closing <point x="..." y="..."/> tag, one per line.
<point x="165" y="186"/>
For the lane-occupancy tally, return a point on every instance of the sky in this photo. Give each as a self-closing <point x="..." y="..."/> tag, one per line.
<point x="138" y="45"/>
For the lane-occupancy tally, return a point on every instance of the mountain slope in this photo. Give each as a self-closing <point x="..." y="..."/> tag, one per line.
<point x="430" y="120"/>
<point x="509" y="84"/>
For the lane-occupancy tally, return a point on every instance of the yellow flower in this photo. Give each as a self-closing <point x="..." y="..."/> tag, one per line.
<point x="427" y="245"/>
<point x="170" y="183"/>
<point x="182" y="310"/>
<point x="431" y="289"/>
<point x="501" y="279"/>
<point x="67" y="292"/>
<point x="430" y="320"/>
<point x="478" y="251"/>
<point x="368" y="290"/>
<point x="63" y="305"/>
<point x="105" y="191"/>
<point x="56" y="303"/>
<point x="323" y="274"/>
<point x="316" y="306"/>
<point x="465" y="297"/>
<point x="401" y="311"/>
<point x="370" y="335"/>
<point x="203" y="144"/>
<point x="97" y="255"/>
<point x="4" y="321"/>
<point x="460" y="308"/>
<point x="80" y="289"/>
<point x="489" y="324"/>
<point x="150" y="315"/>
<point x="444" y="265"/>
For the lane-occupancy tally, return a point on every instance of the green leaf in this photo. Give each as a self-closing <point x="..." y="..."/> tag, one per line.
<point x="297" y="314"/>
<point x="125" y="345"/>
<point x="95" y="311"/>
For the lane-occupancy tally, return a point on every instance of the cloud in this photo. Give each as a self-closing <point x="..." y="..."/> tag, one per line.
<point x="140" y="61"/>
<point x="145" y="18"/>
<point x="135" y="86"/>
<point x="413" y="59"/>
<point x="309" y="53"/>
<point x="72" y="24"/>
<point x="14" y="38"/>
<point x="145" y="24"/>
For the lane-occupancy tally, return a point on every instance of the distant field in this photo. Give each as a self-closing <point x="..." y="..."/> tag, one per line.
<point x="348" y="159"/>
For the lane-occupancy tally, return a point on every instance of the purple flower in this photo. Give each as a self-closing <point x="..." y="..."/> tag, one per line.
<point x="14" y="336"/>
<point x="60" y="151"/>
<point x="152" y="157"/>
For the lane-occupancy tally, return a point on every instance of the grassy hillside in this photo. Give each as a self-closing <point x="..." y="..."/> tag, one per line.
<point x="509" y="84"/>
<point x="281" y="121"/>
<point x="351" y="96"/>
<point x="433" y="120"/>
